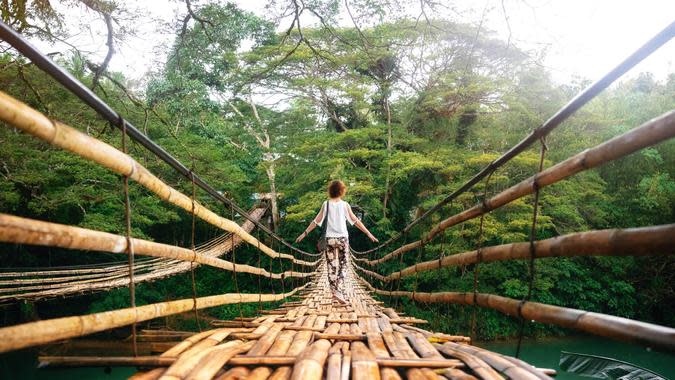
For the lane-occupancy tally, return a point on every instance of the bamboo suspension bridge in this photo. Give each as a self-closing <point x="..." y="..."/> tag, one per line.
<point x="311" y="335"/>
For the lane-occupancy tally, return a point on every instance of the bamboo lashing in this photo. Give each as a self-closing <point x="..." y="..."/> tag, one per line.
<point x="14" y="229"/>
<point x="103" y="267"/>
<point x="594" y="323"/>
<point x="129" y="243"/>
<point x="532" y="248"/>
<point x="334" y="345"/>
<point x="58" y="134"/>
<point x="42" y="332"/>
<point x="479" y="259"/>
<point x="194" y="248"/>
<point x="653" y="240"/>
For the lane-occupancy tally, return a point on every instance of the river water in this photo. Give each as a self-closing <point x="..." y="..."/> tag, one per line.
<point x="543" y="353"/>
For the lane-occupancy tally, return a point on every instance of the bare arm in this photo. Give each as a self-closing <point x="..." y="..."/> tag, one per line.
<point x="312" y="225"/>
<point x="360" y="224"/>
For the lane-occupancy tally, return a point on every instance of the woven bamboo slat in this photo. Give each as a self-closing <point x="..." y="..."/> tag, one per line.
<point x="345" y="341"/>
<point x="477" y="365"/>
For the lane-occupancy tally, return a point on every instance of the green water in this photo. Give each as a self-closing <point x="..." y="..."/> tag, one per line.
<point x="22" y="365"/>
<point x="545" y="353"/>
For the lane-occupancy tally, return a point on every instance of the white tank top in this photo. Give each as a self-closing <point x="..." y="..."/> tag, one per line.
<point x="338" y="216"/>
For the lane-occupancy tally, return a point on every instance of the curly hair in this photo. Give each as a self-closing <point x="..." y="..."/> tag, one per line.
<point x="336" y="189"/>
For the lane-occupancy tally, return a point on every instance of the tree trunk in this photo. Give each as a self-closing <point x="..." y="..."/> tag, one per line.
<point x="389" y="145"/>
<point x="273" y="195"/>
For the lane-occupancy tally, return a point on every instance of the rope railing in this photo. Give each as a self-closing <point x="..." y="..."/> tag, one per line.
<point x="643" y="241"/>
<point x="52" y="330"/>
<point x="18" y="230"/>
<point x="44" y="277"/>
<point x="108" y="278"/>
<point x="213" y="247"/>
<point x="27" y="119"/>
<point x="109" y="266"/>
<point x="609" y="326"/>
<point x="650" y="133"/>
<point x="540" y="132"/>
<point x="651" y="240"/>
<point x="43" y="62"/>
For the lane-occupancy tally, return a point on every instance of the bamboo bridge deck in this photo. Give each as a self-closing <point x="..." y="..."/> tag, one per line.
<point x="320" y="337"/>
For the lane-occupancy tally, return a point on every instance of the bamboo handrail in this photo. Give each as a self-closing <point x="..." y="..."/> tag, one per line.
<point x="108" y="278"/>
<point x="591" y="322"/>
<point x="14" y="229"/>
<point x="159" y="361"/>
<point x="69" y="269"/>
<point x="652" y="132"/>
<point x="652" y="240"/>
<point x="25" y="118"/>
<point x="36" y="279"/>
<point x="74" y="282"/>
<point x="582" y="98"/>
<point x="51" y="330"/>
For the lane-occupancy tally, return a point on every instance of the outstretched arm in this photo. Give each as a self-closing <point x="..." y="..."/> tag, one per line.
<point x="312" y="225"/>
<point x="360" y="225"/>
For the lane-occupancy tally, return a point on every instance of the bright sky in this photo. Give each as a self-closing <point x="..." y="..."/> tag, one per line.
<point x="584" y="38"/>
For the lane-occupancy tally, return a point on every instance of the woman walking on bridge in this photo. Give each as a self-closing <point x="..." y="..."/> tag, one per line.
<point x="335" y="213"/>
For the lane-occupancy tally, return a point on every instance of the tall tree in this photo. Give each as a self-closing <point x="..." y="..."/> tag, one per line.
<point x="201" y="77"/>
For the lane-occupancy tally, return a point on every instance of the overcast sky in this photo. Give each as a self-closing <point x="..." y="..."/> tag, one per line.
<point x="582" y="38"/>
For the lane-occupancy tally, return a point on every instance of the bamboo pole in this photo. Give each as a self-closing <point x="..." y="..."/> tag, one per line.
<point x="652" y="132"/>
<point x="14" y="229"/>
<point x="240" y="360"/>
<point x="207" y="368"/>
<point x="189" y="342"/>
<point x="309" y="364"/>
<point x="477" y="365"/>
<point x="653" y="240"/>
<point x="499" y="362"/>
<point x="47" y="331"/>
<point x="364" y="364"/>
<point x="183" y="365"/>
<point x="75" y="269"/>
<point x="58" y="134"/>
<point x="162" y="361"/>
<point x="594" y="323"/>
<point x="94" y="347"/>
<point x="104" y="361"/>
<point x="266" y="341"/>
<point x="456" y="374"/>
<point x="153" y="374"/>
<point x="210" y="341"/>
<point x="334" y="363"/>
<point x="64" y="279"/>
<point x="236" y="373"/>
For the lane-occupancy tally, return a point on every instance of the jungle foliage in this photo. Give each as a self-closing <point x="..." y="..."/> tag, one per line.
<point x="403" y="111"/>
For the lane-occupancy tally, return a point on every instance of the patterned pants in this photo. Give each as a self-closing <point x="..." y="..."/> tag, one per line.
<point x="336" y="258"/>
